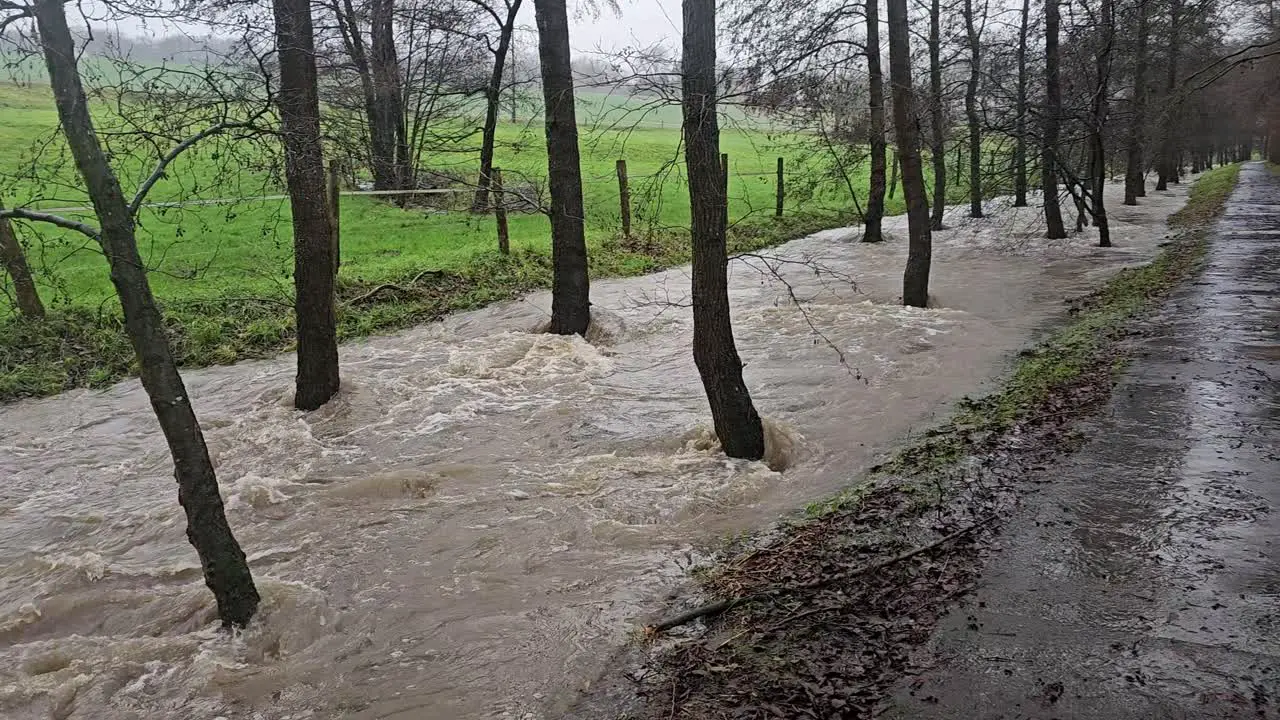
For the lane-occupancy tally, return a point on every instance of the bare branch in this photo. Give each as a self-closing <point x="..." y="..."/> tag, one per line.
<point x="58" y="220"/>
<point x="159" y="172"/>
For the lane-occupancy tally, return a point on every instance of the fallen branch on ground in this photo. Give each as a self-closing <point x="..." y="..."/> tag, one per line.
<point x="722" y="606"/>
<point x="392" y="286"/>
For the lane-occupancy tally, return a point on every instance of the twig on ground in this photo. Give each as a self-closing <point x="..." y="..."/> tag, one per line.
<point x="722" y="606"/>
<point x="392" y="286"/>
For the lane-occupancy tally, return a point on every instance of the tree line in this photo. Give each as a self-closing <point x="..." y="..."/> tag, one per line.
<point x="1060" y="94"/>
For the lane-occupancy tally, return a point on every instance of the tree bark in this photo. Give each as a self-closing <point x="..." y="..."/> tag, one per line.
<point x="385" y="66"/>
<point x="971" y="111"/>
<point x="379" y="75"/>
<point x="1055" y="230"/>
<point x="1020" y="108"/>
<point x="15" y="263"/>
<point x="938" y="146"/>
<point x="915" y="280"/>
<point x="381" y="147"/>
<point x="1135" y="168"/>
<point x="874" y="215"/>
<point x="493" y="105"/>
<point x="1167" y="171"/>
<point x="570" y="287"/>
<point x="1100" y="109"/>
<point x="226" y="571"/>
<point x="317" y="379"/>
<point x="736" y="422"/>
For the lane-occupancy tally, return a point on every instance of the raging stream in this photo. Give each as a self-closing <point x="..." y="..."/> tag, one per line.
<point x="481" y="516"/>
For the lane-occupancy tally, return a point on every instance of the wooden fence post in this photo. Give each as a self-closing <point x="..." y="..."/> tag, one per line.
<point x="777" y="211"/>
<point x="335" y="214"/>
<point x="499" y="210"/>
<point x="624" y="198"/>
<point x="724" y="187"/>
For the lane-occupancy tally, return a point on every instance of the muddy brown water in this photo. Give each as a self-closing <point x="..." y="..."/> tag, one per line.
<point x="484" y="513"/>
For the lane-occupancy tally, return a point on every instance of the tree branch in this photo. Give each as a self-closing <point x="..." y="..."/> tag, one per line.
<point x="36" y="216"/>
<point x="177" y="150"/>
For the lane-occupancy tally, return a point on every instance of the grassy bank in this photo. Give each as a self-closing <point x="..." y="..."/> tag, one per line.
<point x="825" y="608"/>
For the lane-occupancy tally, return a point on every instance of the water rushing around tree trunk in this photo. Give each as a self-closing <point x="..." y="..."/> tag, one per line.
<point x="479" y="517"/>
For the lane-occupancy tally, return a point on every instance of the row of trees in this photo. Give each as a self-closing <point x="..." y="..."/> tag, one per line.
<point x="1066" y="91"/>
<point x="1072" y="96"/>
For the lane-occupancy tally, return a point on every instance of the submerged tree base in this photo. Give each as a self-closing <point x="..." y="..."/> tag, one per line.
<point x="814" y="638"/>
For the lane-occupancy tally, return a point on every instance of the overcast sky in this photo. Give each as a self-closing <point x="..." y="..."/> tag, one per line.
<point x="640" y="22"/>
<point x="636" y="23"/>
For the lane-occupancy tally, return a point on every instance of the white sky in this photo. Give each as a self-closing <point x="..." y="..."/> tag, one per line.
<point x="637" y="23"/>
<point x="641" y="23"/>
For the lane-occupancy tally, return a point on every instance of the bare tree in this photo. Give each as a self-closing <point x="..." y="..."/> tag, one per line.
<point x="1054" y="230"/>
<point x="736" y="422"/>
<point x="1020" y="113"/>
<point x="875" y="198"/>
<point x="225" y="568"/>
<point x="313" y="278"/>
<point x="974" y="34"/>
<point x="937" y="116"/>
<point x="1167" y="167"/>
<point x="378" y="67"/>
<point x="1135" y="169"/>
<point x="1097" y="131"/>
<point x="915" y="281"/>
<point x="570" y="287"/>
<point x="506" y="26"/>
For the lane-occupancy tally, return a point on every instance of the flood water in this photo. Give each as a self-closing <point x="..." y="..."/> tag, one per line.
<point x="484" y="513"/>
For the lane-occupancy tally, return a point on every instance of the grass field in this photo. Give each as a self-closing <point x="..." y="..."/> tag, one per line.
<point x="223" y="271"/>
<point x="204" y="251"/>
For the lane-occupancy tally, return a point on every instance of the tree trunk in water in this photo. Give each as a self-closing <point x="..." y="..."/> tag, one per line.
<point x="1135" y="169"/>
<point x="15" y="263"/>
<point x="1100" y="110"/>
<point x="938" y="146"/>
<point x="317" y="379"/>
<point x="736" y="422"/>
<point x="570" y="287"/>
<point x="875" y="199"/>
<point x="1020" y="141"/>
<point x="493" y="101"/>
<point x="1055" y="230"/>
<point x="971" y="112"/>
<point x="225" y="570"/>
<point x="1167" y="171"/>
<point x="915" y="281"/>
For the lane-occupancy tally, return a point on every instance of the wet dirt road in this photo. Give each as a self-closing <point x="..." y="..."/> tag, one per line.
<point x="1143" y="579"/>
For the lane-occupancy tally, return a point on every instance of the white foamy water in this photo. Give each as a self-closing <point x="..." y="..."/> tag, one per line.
<point x="472" y="526"/>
